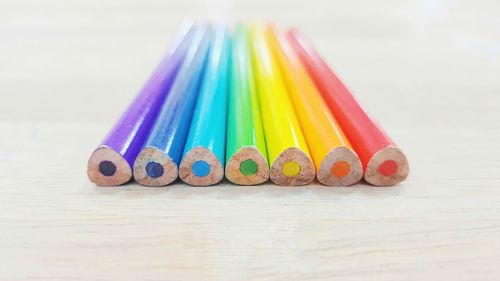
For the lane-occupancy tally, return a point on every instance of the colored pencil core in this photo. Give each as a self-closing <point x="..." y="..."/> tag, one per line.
<point x="340" y="169"/>
<point x="388" y="168"/>
<point x="154" y="170"/>
<point x="107" y="168"/>
<point x="291" y="169"/>
<point x="201" y="168"/>
<point x="248" y="167"/>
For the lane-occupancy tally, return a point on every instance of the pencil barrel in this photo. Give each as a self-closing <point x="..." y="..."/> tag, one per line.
<point x="130" y="132"/>
<point x="383" y="163"/>
<point x="287" y="149"/>
<point x="246" y="154"/>
<point x="172" y="127"/>
<point x="112" y="162"/>
<point x="203" y="159"/>
<point x="157" y="164"/>
<point x="335" y="162"/>
<point x="244" y="117"/>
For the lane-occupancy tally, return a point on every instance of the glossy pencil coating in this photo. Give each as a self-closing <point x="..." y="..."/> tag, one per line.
<point x="157" y="164"/>
<point x="384" y="163"/>
<point x="203" y="160"/>
<point x="246" y="153"/>
<point x="336" y="163"/>
<point x="286" y="146"/>
<point x="112" y="162"/>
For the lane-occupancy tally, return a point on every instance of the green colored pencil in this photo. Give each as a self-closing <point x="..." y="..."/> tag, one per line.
<point x="246" y="154"/>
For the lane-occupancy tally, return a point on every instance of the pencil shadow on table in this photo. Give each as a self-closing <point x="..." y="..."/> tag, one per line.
<point x="228" y="190"/>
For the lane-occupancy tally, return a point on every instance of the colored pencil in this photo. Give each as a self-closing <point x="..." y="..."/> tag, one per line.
<point x="335" y="161"/>
<point x="158" y="162"/>
<point x="246" y="146"/>
<point x="383" y="162"/>
<point x="203" y="160"/>
<point x="286" y="146"/>
<point x="111" y="163"/>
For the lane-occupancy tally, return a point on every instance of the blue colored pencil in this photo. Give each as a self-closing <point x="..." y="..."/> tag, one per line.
<point x="203" y="161"/>
<point x="157" y="163"/>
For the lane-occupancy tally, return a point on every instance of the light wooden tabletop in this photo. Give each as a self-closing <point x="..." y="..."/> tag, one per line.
<point x="428" y="71"/>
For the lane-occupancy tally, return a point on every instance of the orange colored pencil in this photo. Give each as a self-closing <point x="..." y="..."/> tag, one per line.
<point x="336" y="162"/>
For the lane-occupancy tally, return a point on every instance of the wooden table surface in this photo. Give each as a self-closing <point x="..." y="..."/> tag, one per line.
<point x="429" y="71"/>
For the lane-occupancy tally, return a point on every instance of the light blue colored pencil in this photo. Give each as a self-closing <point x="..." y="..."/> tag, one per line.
<point x="203" y="161"/>
<point x="157" y="164"/>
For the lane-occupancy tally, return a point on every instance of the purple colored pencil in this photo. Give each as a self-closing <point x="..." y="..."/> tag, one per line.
<point x="111" y="163"/>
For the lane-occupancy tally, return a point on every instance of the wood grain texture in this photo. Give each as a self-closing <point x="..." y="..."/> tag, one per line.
<point x="437" y="61"/>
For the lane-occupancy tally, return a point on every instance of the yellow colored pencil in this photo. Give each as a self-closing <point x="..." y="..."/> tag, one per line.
<point x="287" y="149"/>
<point x="336" y="162"/>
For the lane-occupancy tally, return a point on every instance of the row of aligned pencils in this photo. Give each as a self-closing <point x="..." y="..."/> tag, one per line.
<point x="256" y="106"/>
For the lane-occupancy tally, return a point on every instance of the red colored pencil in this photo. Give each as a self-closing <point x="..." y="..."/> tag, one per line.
<point x="384" y="163"/>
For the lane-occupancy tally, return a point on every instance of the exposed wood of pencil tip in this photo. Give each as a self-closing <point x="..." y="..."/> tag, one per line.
<point x="154" y="155"/>
<point x="340" y="155"/>
<point x="305" y="173"/>
<point x="186" y="173"/>
<point x="396" y="167"/>
<point x="234" y="173"/>
<point x="120" y="174"/>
